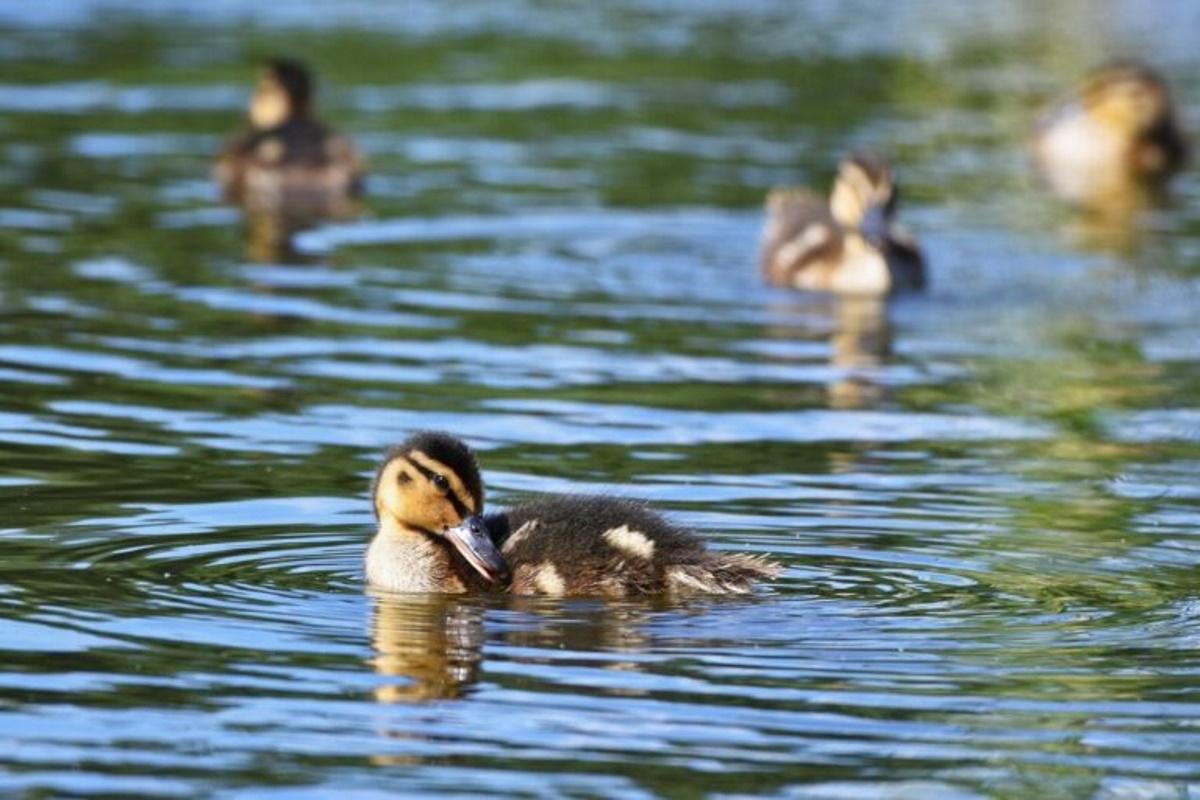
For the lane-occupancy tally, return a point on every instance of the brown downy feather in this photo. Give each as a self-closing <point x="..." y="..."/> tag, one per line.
<point x="613" y="547"/>
<point x="723" y="573"/>
<point x="799" y="231"/>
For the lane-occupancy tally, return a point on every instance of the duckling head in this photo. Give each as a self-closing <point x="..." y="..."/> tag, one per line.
<point x="284" y="91"/>
<point x="864" y="197"/>
<point x="1131" y="99"/>
<point x="430" y="484"/>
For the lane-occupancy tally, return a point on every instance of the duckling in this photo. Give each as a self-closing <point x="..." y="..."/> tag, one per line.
<point x="433" y="537"/>
<point x="1116" y="135"/>
<point x="287" y="158"/>
<point x="848" y="245"/>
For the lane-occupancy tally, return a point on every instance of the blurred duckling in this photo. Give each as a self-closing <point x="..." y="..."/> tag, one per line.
<point x="1106" y="144"/>
<point x="850" y="244"/>
<point x="432" y="537"/>
<point x="288" y="160"/>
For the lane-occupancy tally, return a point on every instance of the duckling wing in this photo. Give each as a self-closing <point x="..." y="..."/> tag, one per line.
<point x="234" y="158"/>
<point x="347" y="161"/>
<point x="595" y="545"/>
<point x="252" y="154"/>
<point x="300" y="168"/>
<point x="1165" y="149"/>
<point x="799" y="238"/>
<point x="295" y="143"/>
<point x="905" y="259"/>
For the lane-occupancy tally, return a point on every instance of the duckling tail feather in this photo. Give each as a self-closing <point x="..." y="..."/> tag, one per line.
<point x="721" y="573"/>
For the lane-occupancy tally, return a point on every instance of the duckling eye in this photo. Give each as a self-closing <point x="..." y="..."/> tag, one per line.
<point x="440" y="483"/>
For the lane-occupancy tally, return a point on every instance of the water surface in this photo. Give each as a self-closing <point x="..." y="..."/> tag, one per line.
<point x="985" y="496"/>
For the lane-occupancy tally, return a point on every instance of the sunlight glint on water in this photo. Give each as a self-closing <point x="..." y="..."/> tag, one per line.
<point x="984" y="495"/>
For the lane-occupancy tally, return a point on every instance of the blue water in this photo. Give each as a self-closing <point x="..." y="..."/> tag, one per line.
<point x="984" y="495"/>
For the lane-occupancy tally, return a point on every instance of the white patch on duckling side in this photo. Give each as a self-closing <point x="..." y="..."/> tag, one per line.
<point x="548" y="581"/>
<point x="518" y="535"/>
<point x="632" y="543"/>
<point x="814" y="236"/>
<point x="797" y="250"/>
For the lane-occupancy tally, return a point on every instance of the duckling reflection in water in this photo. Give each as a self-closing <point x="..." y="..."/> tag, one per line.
<point x="861" y="344"/>
<point x="288" y="170"/>
<point x="429" y="647"/>
<point x="849" y="244"/>
<point x="432" y="643"/>
<point x="1110" y="146"/>
<point x="859" y="333"/>
<point x="432" y="537"/>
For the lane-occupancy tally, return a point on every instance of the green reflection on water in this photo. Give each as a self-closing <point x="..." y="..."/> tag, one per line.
<point x="186" y="437"/>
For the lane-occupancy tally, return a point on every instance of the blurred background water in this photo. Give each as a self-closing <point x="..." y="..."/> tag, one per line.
<point x="986" y="495"/>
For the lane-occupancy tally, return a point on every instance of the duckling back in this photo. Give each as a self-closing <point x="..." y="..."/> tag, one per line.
<point x="299" y="164"/>
<point x="588" y="545"/>
<point x="799" y="233"/>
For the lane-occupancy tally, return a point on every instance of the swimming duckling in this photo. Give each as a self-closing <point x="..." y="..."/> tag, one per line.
<point x="848" y="245"/>
<point x="287" y="158"/>
<point x="1117" y="134"/>
<point x="432" y="537"/>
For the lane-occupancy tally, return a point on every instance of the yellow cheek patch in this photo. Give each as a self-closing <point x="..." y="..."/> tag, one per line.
<point x="456" y="485"/>
<point x="386" y="492"/>
<point x="268" y="108"/>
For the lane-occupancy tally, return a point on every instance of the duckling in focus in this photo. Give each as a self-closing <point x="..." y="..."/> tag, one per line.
<point x="288" y="160"/>
<point x="1106" y="144"/>
<point x="432" y="537"/>
<point x="848" y="245"/>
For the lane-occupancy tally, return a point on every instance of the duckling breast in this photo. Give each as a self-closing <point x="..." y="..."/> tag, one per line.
<point x="862" y="269"/>
<point x="1079" y="157"/>
<point x="399" y="561"/>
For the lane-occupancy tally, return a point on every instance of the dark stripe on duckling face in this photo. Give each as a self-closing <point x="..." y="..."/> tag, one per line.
<point x="451" y="455"/>
<point x="446" y="482"/>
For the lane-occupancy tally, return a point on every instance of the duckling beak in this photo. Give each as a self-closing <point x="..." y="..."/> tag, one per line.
<point x="874" y="226"/>
<point x="471" y="539"/>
